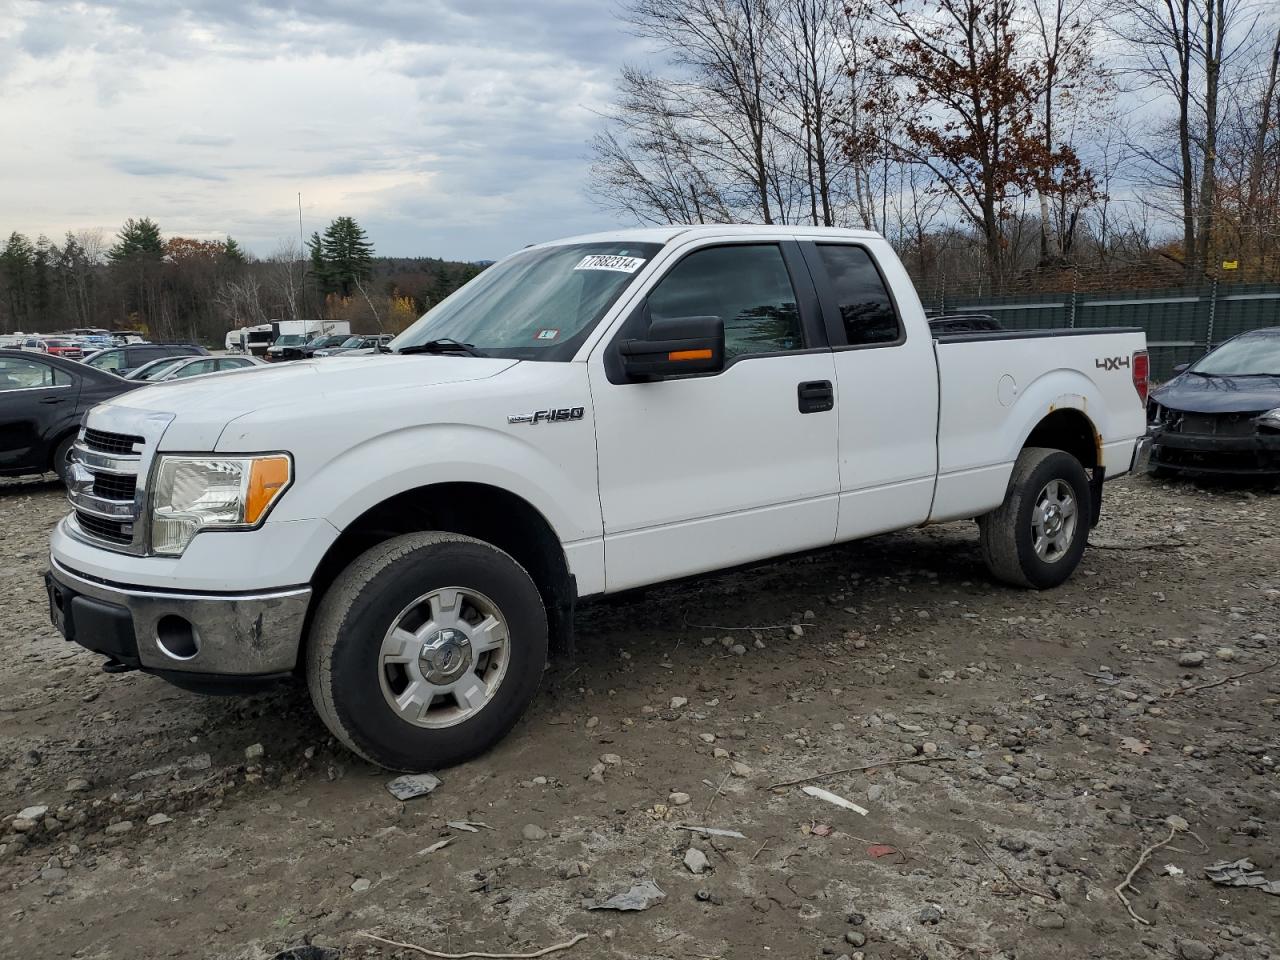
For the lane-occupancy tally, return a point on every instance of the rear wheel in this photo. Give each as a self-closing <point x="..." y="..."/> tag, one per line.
<point x="1037" y="536"/>
<point x="426" y="650"/>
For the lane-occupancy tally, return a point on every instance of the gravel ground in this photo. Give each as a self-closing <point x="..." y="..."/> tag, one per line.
<point x="1059" y="733"/>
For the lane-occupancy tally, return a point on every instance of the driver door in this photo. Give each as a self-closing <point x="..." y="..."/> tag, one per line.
<point x="712" y="470"/>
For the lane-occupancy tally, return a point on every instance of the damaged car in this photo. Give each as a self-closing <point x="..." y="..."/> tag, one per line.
<point x="1221" y="414"/>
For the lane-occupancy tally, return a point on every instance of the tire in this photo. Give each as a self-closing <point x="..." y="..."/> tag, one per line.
<point x="1007" y="533"/>
<point x="353" y="682"/>
<point x="62" y="457"/>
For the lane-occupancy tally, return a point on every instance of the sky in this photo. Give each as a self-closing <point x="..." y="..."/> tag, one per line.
<point x="449" y="128"/>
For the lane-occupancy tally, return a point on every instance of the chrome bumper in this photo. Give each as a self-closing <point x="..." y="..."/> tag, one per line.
<point x="227" y="635"/>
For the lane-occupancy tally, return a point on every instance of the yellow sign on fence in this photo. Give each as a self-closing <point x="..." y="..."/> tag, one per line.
<point x="1230" y="264"/>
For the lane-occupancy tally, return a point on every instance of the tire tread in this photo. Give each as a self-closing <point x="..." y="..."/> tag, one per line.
<point x="336" y="604"/>
<point x="998" y="530"/>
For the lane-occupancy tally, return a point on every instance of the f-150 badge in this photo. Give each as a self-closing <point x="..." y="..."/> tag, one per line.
<point x="549" y="416"/>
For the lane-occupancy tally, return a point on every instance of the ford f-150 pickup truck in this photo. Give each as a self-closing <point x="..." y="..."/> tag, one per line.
<point x="410" y="529"/>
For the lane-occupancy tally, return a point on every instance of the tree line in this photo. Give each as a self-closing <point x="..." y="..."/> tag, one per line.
<point x="991" y="136"/>
<point x="182" y="288"/>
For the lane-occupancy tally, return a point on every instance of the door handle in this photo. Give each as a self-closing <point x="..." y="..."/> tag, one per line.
<point x="815" y="396"/>
<point x="51" y="399"/>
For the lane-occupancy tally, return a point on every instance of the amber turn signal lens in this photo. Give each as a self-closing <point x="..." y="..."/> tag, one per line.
<point x="268" y="476"/>
<point x="689" y="355"/>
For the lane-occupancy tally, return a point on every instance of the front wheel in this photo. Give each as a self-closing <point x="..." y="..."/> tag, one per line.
<point x="1037" y="536"/>
<point x="426" y="650"/>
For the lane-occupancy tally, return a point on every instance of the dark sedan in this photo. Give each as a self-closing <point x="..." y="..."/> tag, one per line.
<point x="1221" y="414"/>
<point x="42" y="401"/>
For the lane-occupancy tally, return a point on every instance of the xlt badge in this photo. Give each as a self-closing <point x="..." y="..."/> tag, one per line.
<point x="549" y="416"/>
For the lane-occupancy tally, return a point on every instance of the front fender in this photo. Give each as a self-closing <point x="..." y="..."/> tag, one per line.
<point x="555" y="475"/>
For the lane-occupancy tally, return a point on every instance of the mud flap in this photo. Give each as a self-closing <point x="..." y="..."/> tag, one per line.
<point x="1096" y="476"/>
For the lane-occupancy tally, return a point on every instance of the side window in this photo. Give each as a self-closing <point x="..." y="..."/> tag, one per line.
<point x="865" y="306"/>
<point x="61" y="378"/>
<point x="18" y="374"/>
<point x="748" y="287"/>
<point x="197" y="368"/>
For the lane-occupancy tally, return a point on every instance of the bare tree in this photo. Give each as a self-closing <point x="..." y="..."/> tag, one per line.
<point x="285" y="278"/>
<point x="240" y="299"/>
<point x="955" y="73"/>
<point x="1183" y="49"/>
<point x="808" y="70"/>
<point x="1063" y="33"/>
<point x="709" y="130"/>
<point x="656" y="164"/>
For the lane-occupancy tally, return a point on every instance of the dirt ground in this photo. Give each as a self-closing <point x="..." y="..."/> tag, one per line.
<point x="1060" y="732"/>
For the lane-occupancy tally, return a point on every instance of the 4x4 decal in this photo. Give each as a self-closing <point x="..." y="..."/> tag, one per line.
<point x="1111" y="363"/>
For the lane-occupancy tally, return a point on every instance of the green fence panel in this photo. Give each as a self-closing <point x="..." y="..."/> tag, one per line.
<point x="1181" y="323"/>
<point x="1244" y="307"/>
<point x="1050" y="311"/>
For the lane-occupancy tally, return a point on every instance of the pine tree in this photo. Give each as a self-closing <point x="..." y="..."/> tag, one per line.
<point x="16" y="260"/>
<point x="138" y="239"/>
<point x="232" y="252"/>
<point x="42" y="285"/>
<point x="319" y="270"/>
<point x="347" y="255"/>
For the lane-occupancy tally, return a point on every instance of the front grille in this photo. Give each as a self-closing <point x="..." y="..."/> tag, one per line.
<point x="1219" y="425"/>
<point x="111" y="486"/>
<point x="111" y="442"/>
<point x="114" y="531"/>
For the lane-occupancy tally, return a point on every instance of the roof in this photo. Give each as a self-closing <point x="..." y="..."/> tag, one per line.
<point x="694" y="231"/>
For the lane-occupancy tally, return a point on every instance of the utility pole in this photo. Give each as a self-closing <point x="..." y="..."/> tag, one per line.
<point x="302" y="244"/>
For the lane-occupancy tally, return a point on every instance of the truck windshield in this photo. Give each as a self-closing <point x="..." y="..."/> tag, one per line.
<point x="537" y="304"/>
<point x="290" y="340"/>
<point x="1256" y="356"/>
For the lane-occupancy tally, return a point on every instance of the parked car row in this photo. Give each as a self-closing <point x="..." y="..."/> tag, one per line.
<point x="123" y="360"/>
<point x="45" y="395"/>
<point x="43" y="398"/>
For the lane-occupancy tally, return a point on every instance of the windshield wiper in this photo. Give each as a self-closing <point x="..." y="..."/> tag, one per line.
<point x="1233" y="376"/>
<point x="443" y="345"/>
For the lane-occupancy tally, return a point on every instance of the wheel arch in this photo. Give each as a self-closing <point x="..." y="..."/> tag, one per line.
<point x="486" y="512"/>
<point x="1070" y="430"/>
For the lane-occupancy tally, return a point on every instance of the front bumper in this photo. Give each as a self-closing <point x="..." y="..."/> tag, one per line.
<point x="229" y="634"/>
<point x="1248" y="455"/>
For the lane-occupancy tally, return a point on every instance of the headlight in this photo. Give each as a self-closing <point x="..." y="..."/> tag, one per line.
<point x="213" y="493"/>
<point x="1270" y="419"/>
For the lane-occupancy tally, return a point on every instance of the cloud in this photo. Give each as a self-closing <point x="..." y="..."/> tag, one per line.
<point x="141" y="167"/>
<point x="447" y="127"/>
<point x="204" y="140"/>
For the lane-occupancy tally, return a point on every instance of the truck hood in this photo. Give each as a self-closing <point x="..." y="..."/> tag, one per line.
<point x="202" y="406"/>
<point x="1192" y="393"/>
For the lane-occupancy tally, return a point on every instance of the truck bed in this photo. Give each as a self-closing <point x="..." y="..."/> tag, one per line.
<point x="995" y="386"/>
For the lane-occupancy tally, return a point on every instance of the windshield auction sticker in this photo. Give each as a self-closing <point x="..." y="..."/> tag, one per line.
<point x="604" y="262"/>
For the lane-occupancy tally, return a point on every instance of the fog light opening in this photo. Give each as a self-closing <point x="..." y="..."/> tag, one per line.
<point x="177" y="637"/>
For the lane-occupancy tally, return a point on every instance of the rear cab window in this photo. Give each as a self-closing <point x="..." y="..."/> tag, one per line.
<point x="856" y="298"/>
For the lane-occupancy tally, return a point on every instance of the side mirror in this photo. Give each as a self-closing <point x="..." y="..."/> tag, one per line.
<point x="1180" y="367"/>
<point x="675" y="348"/>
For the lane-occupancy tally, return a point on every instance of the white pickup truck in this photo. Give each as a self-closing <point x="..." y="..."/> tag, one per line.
<point x="410" y="529"/>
